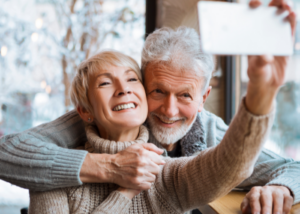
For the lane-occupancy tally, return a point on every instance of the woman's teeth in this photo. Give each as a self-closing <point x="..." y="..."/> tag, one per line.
<point x="124" y="106"/>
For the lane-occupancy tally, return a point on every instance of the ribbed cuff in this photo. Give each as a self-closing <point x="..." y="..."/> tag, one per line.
<point x="257" y="117"/>
<point x="289" y="183"/>
<point x="116" y="202"/>
<point x="66" y="167"/>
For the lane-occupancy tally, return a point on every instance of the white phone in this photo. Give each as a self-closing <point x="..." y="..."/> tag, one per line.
<point x="237" y="29"/>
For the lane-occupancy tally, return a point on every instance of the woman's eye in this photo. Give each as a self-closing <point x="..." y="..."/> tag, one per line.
<point x="104" y="83"/>
<point x="132" y="79"/>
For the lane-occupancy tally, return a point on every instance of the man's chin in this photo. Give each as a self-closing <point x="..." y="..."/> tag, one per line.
<point x="168" y="135"/>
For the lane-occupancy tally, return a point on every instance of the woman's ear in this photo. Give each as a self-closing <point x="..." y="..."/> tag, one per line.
<point x="204" y="97"/>
<point x="84" y="114"/>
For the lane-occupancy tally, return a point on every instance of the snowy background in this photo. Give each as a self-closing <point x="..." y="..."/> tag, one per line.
<point x="41" y="44"/>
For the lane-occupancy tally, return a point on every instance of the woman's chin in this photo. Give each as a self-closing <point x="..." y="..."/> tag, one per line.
<point x="128" y="123"/>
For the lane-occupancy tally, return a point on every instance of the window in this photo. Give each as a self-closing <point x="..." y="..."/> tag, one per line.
<point x="41" y="44"/>
<point x="285" y="135"/>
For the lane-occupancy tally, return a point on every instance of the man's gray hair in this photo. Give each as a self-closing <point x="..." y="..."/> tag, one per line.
<point x="180" y="48"/>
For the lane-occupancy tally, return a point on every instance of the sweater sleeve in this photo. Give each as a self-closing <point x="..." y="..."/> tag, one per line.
<point x="187" y="183"/>
<point x="54" y="201"/>
<point x="116" y="202"/>
<point x="270" y="168"/>
<point x="39" y="158"/>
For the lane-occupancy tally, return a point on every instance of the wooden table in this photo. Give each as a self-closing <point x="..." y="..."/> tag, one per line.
<point x="230" y="204"/>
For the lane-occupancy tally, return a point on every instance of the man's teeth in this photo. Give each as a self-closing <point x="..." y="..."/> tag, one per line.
<point x="167" y="121"/>
<point x="124" y="106"/>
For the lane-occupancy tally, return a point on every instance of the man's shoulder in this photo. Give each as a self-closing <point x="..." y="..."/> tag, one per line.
<point x="214" y="127"/>
<point x="207" y="117"/>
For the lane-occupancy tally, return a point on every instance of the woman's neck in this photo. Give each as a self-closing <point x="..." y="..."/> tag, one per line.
<point x="119" y="134"/>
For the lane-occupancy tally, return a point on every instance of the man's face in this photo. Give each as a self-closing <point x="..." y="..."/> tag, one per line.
<point x="174" y="98"/>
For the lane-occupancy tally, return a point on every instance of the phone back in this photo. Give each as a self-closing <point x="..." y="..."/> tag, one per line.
<point x="235" y="29"/>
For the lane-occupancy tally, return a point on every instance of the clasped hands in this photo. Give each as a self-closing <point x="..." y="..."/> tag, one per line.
<point x="135" y="168"/>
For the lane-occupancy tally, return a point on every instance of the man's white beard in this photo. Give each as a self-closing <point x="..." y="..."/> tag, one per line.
<point x="167" y="136"/>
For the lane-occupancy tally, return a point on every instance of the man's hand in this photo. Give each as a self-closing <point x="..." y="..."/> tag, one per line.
<point x="266" y="73"/>
<point x="267" y="199"/>
<point x="135" y="167"/>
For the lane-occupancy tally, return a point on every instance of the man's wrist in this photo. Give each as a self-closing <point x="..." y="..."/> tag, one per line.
<point x="260" y="101"/>
<point x="96" y="168"/>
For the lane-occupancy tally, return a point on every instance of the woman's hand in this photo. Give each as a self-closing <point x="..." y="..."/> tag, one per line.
<point x="129" y="193"/>
<point x="266" y="73"/>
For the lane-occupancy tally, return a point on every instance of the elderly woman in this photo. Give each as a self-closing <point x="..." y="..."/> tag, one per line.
<point x="109" y="96"/>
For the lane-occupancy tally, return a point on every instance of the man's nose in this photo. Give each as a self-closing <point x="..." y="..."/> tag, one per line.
<point x="170" y="108"/>
<point x="122" y="88"/>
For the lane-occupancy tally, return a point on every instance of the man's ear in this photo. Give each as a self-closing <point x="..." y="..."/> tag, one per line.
<point x="84" y="114"/>
<point x="204" y="97"/>
<point x="207" y="92"/>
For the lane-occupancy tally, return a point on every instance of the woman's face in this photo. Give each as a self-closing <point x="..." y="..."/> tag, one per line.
<point x="118" y="98"/>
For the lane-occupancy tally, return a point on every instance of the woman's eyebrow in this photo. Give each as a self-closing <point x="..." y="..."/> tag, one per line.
<point x="104" y="74"/>
<point x="128" y="71"/>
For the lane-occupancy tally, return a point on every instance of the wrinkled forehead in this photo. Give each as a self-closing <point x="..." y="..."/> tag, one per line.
<point x="170" y="76"/>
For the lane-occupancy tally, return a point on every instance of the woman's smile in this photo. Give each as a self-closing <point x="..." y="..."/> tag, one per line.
<point x="125" y="106"/>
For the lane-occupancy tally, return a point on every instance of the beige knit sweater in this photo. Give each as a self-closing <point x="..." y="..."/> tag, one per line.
<point x="183" y="183"/>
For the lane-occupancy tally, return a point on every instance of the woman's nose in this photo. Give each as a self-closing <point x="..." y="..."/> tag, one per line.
<point x="122" y="89"/>
<point x="123" y="92"/>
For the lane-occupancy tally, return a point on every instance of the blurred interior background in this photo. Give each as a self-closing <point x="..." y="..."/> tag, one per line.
<point x="43" y="41"/>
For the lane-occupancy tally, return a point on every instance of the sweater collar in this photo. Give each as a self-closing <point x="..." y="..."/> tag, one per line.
<point x="192" y="142"/>
<point x="97" y="144"/>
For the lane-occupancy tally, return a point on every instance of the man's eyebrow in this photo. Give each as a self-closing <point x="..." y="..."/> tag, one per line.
<point x="180" y="88"/>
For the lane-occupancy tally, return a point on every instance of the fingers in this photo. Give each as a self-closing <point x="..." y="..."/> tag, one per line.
<point x="254" y="200"/>
<point x="293" y="21"/>
<point x="277" y="202"/>
<point x="287" y="204"/>
<point x="286" y="5"/>
<point x="255" y="3"/>
<point x="266" y="201"/>
<point x="245" y="206"/>
<point x="153" y="148"/>
<point x="260" y="61"/>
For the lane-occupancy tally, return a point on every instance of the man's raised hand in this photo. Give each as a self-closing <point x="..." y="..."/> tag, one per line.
<point x="266" y="73"/>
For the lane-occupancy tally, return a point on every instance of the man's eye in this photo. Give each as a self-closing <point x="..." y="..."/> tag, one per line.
<point x="186" y="95"/>
<point x="158" y="91"/>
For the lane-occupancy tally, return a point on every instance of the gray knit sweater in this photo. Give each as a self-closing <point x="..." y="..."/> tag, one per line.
<point x="40" y="159"/>
<point x="182" y="184"/>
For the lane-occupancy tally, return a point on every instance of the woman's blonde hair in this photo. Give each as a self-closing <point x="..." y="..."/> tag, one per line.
<point x="100" y="61"/>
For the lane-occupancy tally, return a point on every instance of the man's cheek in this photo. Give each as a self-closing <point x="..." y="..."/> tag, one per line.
<point x="152" y="105"/>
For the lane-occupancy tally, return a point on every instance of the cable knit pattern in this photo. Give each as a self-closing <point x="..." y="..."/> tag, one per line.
<point x="182" y="184"/>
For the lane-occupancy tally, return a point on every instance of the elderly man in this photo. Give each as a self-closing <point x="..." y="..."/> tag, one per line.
<point x="176" y="78"/>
